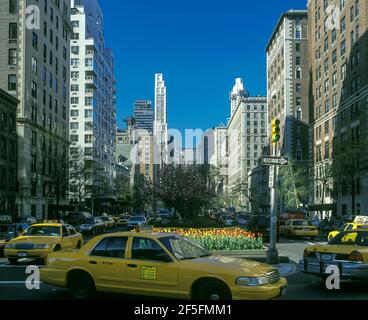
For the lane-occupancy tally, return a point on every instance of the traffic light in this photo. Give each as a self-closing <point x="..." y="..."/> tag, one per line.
<point x="275" y="130"/>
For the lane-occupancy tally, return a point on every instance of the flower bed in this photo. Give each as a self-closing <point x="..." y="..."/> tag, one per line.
<point x="225" y="239"/>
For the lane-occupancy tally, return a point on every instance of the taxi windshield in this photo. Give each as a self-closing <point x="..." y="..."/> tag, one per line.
<point x="352" y="238"/>
<point x="183" y="248"/>
<point x="302" y="223"/>
<point x="42" y="231"/>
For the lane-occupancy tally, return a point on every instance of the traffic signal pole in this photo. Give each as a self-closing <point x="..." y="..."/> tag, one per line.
<point x="272" y="254"/>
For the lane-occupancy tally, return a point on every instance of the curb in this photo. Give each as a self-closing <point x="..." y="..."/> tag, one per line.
<point x="240" y="253"/>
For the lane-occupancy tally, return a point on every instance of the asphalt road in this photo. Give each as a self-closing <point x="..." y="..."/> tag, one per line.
<point x="301" y="286"/>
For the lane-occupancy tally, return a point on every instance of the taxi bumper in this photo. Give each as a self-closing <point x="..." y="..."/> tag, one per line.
<point x="347" y="269"/>
<point x="53" y="277"/>
<point x="21" y="254"/>
<point x="303" y="233"/>
<point x="266" y="292"/>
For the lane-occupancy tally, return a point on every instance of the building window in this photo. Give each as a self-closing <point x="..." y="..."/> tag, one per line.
<point x="34" y="65"/>
<point x="12" y="6"/>
<point x="342" y="25"/>
<point x="298" y="32"/>
<point x="12" y="57"/>
<point x="298" y="74"/>
<point x="299" y="114"/>
<point x="334" y="56"/>
<point x="12" y="82"/>
<point x="13" y="31"/>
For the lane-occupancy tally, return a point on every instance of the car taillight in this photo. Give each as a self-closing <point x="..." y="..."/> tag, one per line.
<point x="355" y="256"/>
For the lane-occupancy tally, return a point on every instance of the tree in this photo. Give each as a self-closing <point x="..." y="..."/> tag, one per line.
<point x="348" y="168"/>
<point x="80" y="179"/>
<point x="186" y="188"/>
<point x="58" y="175"/>
<point x="323" y="180"/>
<point x="293" y="187"/>
<point x="122" y="191"/>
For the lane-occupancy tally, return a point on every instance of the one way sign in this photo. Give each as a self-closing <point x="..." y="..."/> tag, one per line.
<point x="278" y="161"/>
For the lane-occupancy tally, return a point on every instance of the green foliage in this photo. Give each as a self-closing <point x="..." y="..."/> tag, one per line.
<point x="227" y="243"/>
<point x="294" y="185"/>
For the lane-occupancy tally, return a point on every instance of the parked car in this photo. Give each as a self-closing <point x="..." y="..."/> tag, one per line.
<point x="88" y="226"/>
<point x="99" y="225"/>
<point x="243" y="219"/>
<point x="123" y="220"/>
<point x="229" y="221"/>
<point x="107" y="222"/>
<point x="76" y="218"/>
<point x="164" y="218"/>
<point x="136" y="221"/>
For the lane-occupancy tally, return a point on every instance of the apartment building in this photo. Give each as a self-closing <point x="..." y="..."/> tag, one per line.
<point x="247" y="135"/>
<point x="288" y="83"/>
<point x="92" y="96"/>
<point x="8" y="152"/>
<point x="338" y="47"/>
<point x="220" y="157"/>
<point x="34" y="68"/>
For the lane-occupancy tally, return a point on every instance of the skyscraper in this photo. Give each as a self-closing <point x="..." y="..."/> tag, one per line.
<point x="34" y="68"/>
<point x="160" y="124"/>
<point x="237" y="94"/>
<point x="93" y="110"/>
<point x="143" y="115"/>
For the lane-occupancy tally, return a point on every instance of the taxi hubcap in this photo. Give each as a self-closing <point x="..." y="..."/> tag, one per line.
<point x="214" y="297"/>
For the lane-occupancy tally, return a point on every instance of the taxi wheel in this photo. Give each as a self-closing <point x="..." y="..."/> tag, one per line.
<point x="57" y="248"/>
<point x="79" y="245"/>
<point x="81" y="286"/>
<point x="13" y="261"/>
<point x="212" y="290"/>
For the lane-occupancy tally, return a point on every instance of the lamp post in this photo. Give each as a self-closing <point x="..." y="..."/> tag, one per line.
<point x="272" y="254"/>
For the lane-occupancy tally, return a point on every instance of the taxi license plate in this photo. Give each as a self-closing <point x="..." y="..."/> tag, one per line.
<point x="22" y="254"/>
<point x="327" y="257"/>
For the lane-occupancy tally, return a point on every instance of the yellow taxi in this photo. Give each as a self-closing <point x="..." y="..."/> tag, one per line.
<point x="161" y="265"/>
<point x="348" y="251"/>
<point x="39" y="240"/>
<point x="299" y="228"/>
<point x="360" y="222"/>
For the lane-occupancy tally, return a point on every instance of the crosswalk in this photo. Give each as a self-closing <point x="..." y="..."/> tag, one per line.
<point x="310" y="243"/>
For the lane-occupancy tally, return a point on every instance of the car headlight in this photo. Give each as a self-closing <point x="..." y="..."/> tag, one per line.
<point x="251" y="281"/>
<point x="42" y="246"/>
<point x="10" y="246"/>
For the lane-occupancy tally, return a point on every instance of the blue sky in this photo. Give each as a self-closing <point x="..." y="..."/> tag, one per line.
<point x="199" y="45"/>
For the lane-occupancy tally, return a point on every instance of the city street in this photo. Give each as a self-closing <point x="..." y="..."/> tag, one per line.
<point x="301" y="286"/>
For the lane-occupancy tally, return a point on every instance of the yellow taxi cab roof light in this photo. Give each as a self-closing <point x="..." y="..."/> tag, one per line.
<point x="50" y="221"/>
<point x="144" y="229"/>
<point x="361" y="219"/>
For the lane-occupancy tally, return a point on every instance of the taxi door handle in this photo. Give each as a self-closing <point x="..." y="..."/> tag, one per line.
<point x="132" y="266"/>
<point x="93" y="262"/>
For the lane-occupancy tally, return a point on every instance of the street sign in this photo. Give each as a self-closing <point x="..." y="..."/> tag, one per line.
<point x="272" y="177"/>
<point x="275" y="161"/>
